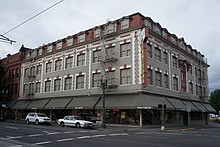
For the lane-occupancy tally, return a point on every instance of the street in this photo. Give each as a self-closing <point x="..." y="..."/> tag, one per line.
<point x="19" y="135"/>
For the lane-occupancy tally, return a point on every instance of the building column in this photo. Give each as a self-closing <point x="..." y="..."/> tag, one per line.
<point x="141" y="118"/>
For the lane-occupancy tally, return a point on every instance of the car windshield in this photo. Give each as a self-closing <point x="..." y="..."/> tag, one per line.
<point x="41" y="115"/>
<point x="78" y="118"/>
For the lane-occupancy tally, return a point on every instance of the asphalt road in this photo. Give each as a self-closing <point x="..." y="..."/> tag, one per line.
<point x="19" y="135"/>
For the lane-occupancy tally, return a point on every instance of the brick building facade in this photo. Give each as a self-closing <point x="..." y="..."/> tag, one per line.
<point x="145" y="66"/>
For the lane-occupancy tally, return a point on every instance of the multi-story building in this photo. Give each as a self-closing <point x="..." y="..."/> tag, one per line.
<point x="146" y="68"/>
<point x="11" y="66"/>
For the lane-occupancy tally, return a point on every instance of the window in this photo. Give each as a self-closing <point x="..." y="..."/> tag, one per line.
<point x="69" y="41"/>
<point x="81" y="59"/>
<point x="196" y="73"/>
<point x="81" y="38"/>
<point x="96" y="56"/>
<point x="110" y="52"/>
<point x="48" y="67"/>
<point x="158" y="79"/>
<point x="80" y="82"/>
<point x="157" y="54"/>
<point x="166" y="81"/>
<point x="97" y="32"/>
<point x="69" y="62"/>
<point x="175" y="83"/>
<point x="125" y="49"/>
<point x="124" y="24"/>
<point x="111" y="78"/>
<point x="96" y="80"/>
<point x="49" y="49"/>
<point x="32" y="72"/>
<point x="189" y="68"/>
<point x="191" y="88"/>
<point x="32" y="88"/>
<point x="25" y="88"/>
<point x="125" y="75"/>
<point x="38" y="87"/>
<point x="149" y="50"/>
<point x="9" y="74"/>
<point x="16" y="89"/>
<point x="174" y="61"/>
<point x="25" y="72"/>
<point x="47" y="85"/>
<point x="39" y="69"/>
<point x="165" y="57"/>
<point x="13" y="74"/>
<point x="150" y="77"/>
<point x="197" y="91"/>
<point x="57" y="85"/>
<point x="17" y="73"/>
<point x="68" y="83"/>
<point x="200" y="91"/>
<point x="58" y="64"/>
<point x="110" y="28"/>
<point x="204" y="91"/>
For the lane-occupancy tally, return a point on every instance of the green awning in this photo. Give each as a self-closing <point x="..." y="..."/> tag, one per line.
<point x="189" y="106"/>
<point x="177" y="103"/>
<point x="82" y="102"/>
<point x="21" y="104"/>
<point x="209" y="108"/>
<point x="38" y="104"/>
<point x="57" y="103"/>
<point x="152" y="101"/>
<point x="199" y="106"/>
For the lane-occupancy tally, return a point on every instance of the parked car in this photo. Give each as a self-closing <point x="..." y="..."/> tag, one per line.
<point x="75" y="121"/>
<point x="37" y="118"/>
<point x="88" y="117"/>
<point x="218" y="119"/>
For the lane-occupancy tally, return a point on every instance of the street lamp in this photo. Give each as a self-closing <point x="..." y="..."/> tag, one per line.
<point x="103" y="86"/>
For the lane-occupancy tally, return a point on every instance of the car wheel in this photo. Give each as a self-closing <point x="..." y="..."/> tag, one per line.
<point x="27" y="121"/>
<point x="78" y="125"/>
<point x="62" y="124"/>
<point x="37" y="122"/>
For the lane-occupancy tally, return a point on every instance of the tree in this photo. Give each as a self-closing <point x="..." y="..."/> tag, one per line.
<point x="215" y="99"/>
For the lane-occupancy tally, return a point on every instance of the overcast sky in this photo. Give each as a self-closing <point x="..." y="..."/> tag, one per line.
<point x="198" y="21"/>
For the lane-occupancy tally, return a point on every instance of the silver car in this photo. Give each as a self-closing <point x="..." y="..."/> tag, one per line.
<point x="37" y="118"/>
<point x="75" y="121"/>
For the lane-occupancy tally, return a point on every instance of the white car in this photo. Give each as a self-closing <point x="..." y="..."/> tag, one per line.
<point x="37" y="118"/>
<point x="75" y="121"/>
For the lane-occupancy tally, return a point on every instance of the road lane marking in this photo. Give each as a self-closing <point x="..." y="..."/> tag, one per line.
<point x="8" y="127"/>
<point x="82" y="131"/>
<point x="16" y="146"/>
<point x="124" y="134"/>
<point x="66" y="139"/>
<point x="40" y="143"/>
<point x="69" y="132"/>
<point x="54" y="133"/>
<point x="35" y="135"/>
<point x="93" y="131"/>
<point x="83" y="137"/>
<point x="113" y="134"/>
<point x="101" y="135"/>
<point x="14" y="137"/>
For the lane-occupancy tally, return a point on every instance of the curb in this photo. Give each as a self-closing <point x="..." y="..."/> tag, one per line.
<point x="177" y="130"/>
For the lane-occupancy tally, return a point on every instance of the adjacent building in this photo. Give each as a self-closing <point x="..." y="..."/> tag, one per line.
<point x="10" y="82"/>
<point x="145" y="67"/>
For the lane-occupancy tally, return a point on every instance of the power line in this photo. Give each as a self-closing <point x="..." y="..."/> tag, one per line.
<point x="6" y="40"/>
<point x="33" y="17"/>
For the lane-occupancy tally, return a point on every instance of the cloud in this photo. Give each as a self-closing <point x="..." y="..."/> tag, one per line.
<point x="197" y="21"/>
